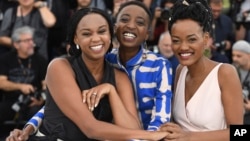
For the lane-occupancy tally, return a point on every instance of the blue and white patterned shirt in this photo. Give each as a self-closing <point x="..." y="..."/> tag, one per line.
<point x="151" y="75"/>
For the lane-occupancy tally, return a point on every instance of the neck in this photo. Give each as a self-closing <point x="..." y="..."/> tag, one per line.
<point x="246" y="67"/>
<point x="22" y="56"/>
<point x="25" y="9"/>
<point x="198" y="68"/>
<point x="98" y="66"/>
<point x="126" y="54"/>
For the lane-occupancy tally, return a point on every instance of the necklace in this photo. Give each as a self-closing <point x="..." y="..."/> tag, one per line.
<point x="25" y="71"/>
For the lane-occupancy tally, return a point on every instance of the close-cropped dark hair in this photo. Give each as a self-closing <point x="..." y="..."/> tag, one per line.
<point x="137" y="3"/>
<point x="74" y="21"/>
<point x="197" y="10"/>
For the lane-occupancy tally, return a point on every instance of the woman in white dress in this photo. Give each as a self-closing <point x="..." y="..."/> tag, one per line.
<point x="207" y="98"/>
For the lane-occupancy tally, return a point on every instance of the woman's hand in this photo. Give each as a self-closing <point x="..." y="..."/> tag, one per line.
<point x="175" y="132"/>
<point x="18" y="135"/>
<point x="92" y="96"/>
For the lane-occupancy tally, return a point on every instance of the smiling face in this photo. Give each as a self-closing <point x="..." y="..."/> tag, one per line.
<point x="132" y="26"/>
<point x="188" y="41"/>
<point x="93" y="36"/>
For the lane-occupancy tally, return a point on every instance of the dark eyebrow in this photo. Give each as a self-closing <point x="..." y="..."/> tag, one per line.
<point x="102" y="26"/>
<point x="139" y="17"/>
<point x="187" y="36"/>
<point x="191" y="35"/>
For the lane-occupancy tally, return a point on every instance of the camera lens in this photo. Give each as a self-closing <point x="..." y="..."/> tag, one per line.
<point x="165" y="14"/>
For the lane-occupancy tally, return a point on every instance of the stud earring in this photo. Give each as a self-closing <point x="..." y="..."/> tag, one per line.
<point x="77" y="46"/>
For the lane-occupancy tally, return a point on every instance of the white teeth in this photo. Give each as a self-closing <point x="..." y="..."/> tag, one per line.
<point x="96" y="47"/>
<point x="129" y="35"/>
<point x="185" y="54"/>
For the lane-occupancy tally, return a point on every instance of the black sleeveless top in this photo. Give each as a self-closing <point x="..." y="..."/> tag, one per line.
<point x="57" y="125"/>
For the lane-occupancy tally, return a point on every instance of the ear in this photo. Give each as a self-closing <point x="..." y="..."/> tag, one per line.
<point x="75" y="40"/>
<point x="206" y="38"/>
<point x="16" y="45"/>
<point x="147" y="34"/>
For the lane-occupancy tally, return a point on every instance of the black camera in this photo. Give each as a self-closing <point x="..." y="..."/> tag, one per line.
<point x="24" y="101"/>
<point x="220" y="45"/>
<point x="165" y="14"/>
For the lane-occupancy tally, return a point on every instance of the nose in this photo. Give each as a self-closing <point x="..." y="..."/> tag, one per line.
<point x="131" y="25"/>
<point x="184" y="46"/>
<point x="96" y="37"/>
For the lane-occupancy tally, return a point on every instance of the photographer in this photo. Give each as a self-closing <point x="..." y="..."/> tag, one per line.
<point x="223" y="29"/>
<point x="241" y="60"/>
<point x="22" y="74"/>
<point x="33" y="13"/>
<point x="160" y="21"/>
<point x="240" y="13"/>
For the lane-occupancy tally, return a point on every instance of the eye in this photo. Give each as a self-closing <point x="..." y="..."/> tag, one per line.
<point x="102" y="31"/>
<point x="191" y="40"/>
<point x="175" y="41"/>
<point x="140" y="23"/>
<point x="86" y="34"/>
<point x="124" y="19"/>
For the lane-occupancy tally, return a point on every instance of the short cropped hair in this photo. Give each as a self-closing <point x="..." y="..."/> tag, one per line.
<point x="15" y="37"/>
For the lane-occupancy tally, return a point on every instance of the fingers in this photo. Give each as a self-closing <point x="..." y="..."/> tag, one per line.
<point x="16" y="136"/>
<point x="90" y="98"/>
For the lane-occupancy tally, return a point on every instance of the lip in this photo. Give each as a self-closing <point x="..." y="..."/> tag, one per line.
<point x="129" y="36"/>
<point x="185" y="55"/>
<point x="97" y="48"/>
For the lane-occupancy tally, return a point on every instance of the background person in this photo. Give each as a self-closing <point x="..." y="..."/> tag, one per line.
<point x="241" y="60"/>
<point x="28" y="13"/>
<point x="22" y="74"/>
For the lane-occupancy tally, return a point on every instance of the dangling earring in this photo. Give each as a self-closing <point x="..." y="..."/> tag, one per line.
<point x="77" y="46"/>
<point x="144" y="55"/>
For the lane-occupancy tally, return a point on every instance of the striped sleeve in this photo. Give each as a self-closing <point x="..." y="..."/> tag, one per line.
<point x="36" y="120"/>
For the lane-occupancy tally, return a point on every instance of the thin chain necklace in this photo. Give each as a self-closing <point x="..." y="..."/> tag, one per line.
<point x="25" y="71"/>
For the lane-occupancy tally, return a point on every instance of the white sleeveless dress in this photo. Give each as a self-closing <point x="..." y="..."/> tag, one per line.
<point x="204" y="111"/>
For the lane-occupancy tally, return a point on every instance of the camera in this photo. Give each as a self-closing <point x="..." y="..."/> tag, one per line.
<point x="220" y="45"/>
<point x="24" y="101"/>
<point x="165" y="14"/>
<point x="243" y="19"/>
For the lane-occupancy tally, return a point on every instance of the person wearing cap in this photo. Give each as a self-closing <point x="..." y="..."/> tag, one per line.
<point x="241" y="60"/>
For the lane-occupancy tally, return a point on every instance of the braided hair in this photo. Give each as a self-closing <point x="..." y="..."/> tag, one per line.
<point x="74" y="21"/>
<point x="197" y="10"/>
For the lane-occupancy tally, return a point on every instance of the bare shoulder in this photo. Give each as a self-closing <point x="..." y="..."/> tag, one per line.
<point x="59" y="66"/>
<point x="120" y="74"/>
<point x="226" y="70"/>
<point x="227" y="74"/>
<point x="58" y="63"/>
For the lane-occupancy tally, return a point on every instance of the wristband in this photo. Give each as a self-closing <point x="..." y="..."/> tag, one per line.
<point x="43" y="4"/>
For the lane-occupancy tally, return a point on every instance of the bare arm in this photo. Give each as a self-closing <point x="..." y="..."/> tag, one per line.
<point x="126" y="94"/>
<point x="72" y="106"/>
<point x="4" y="40"/>
<point x="48" y="17"/>
<point x="7" y="85"/>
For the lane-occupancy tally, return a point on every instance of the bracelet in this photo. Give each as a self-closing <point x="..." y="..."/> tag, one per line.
<point x="43" y="4"/>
